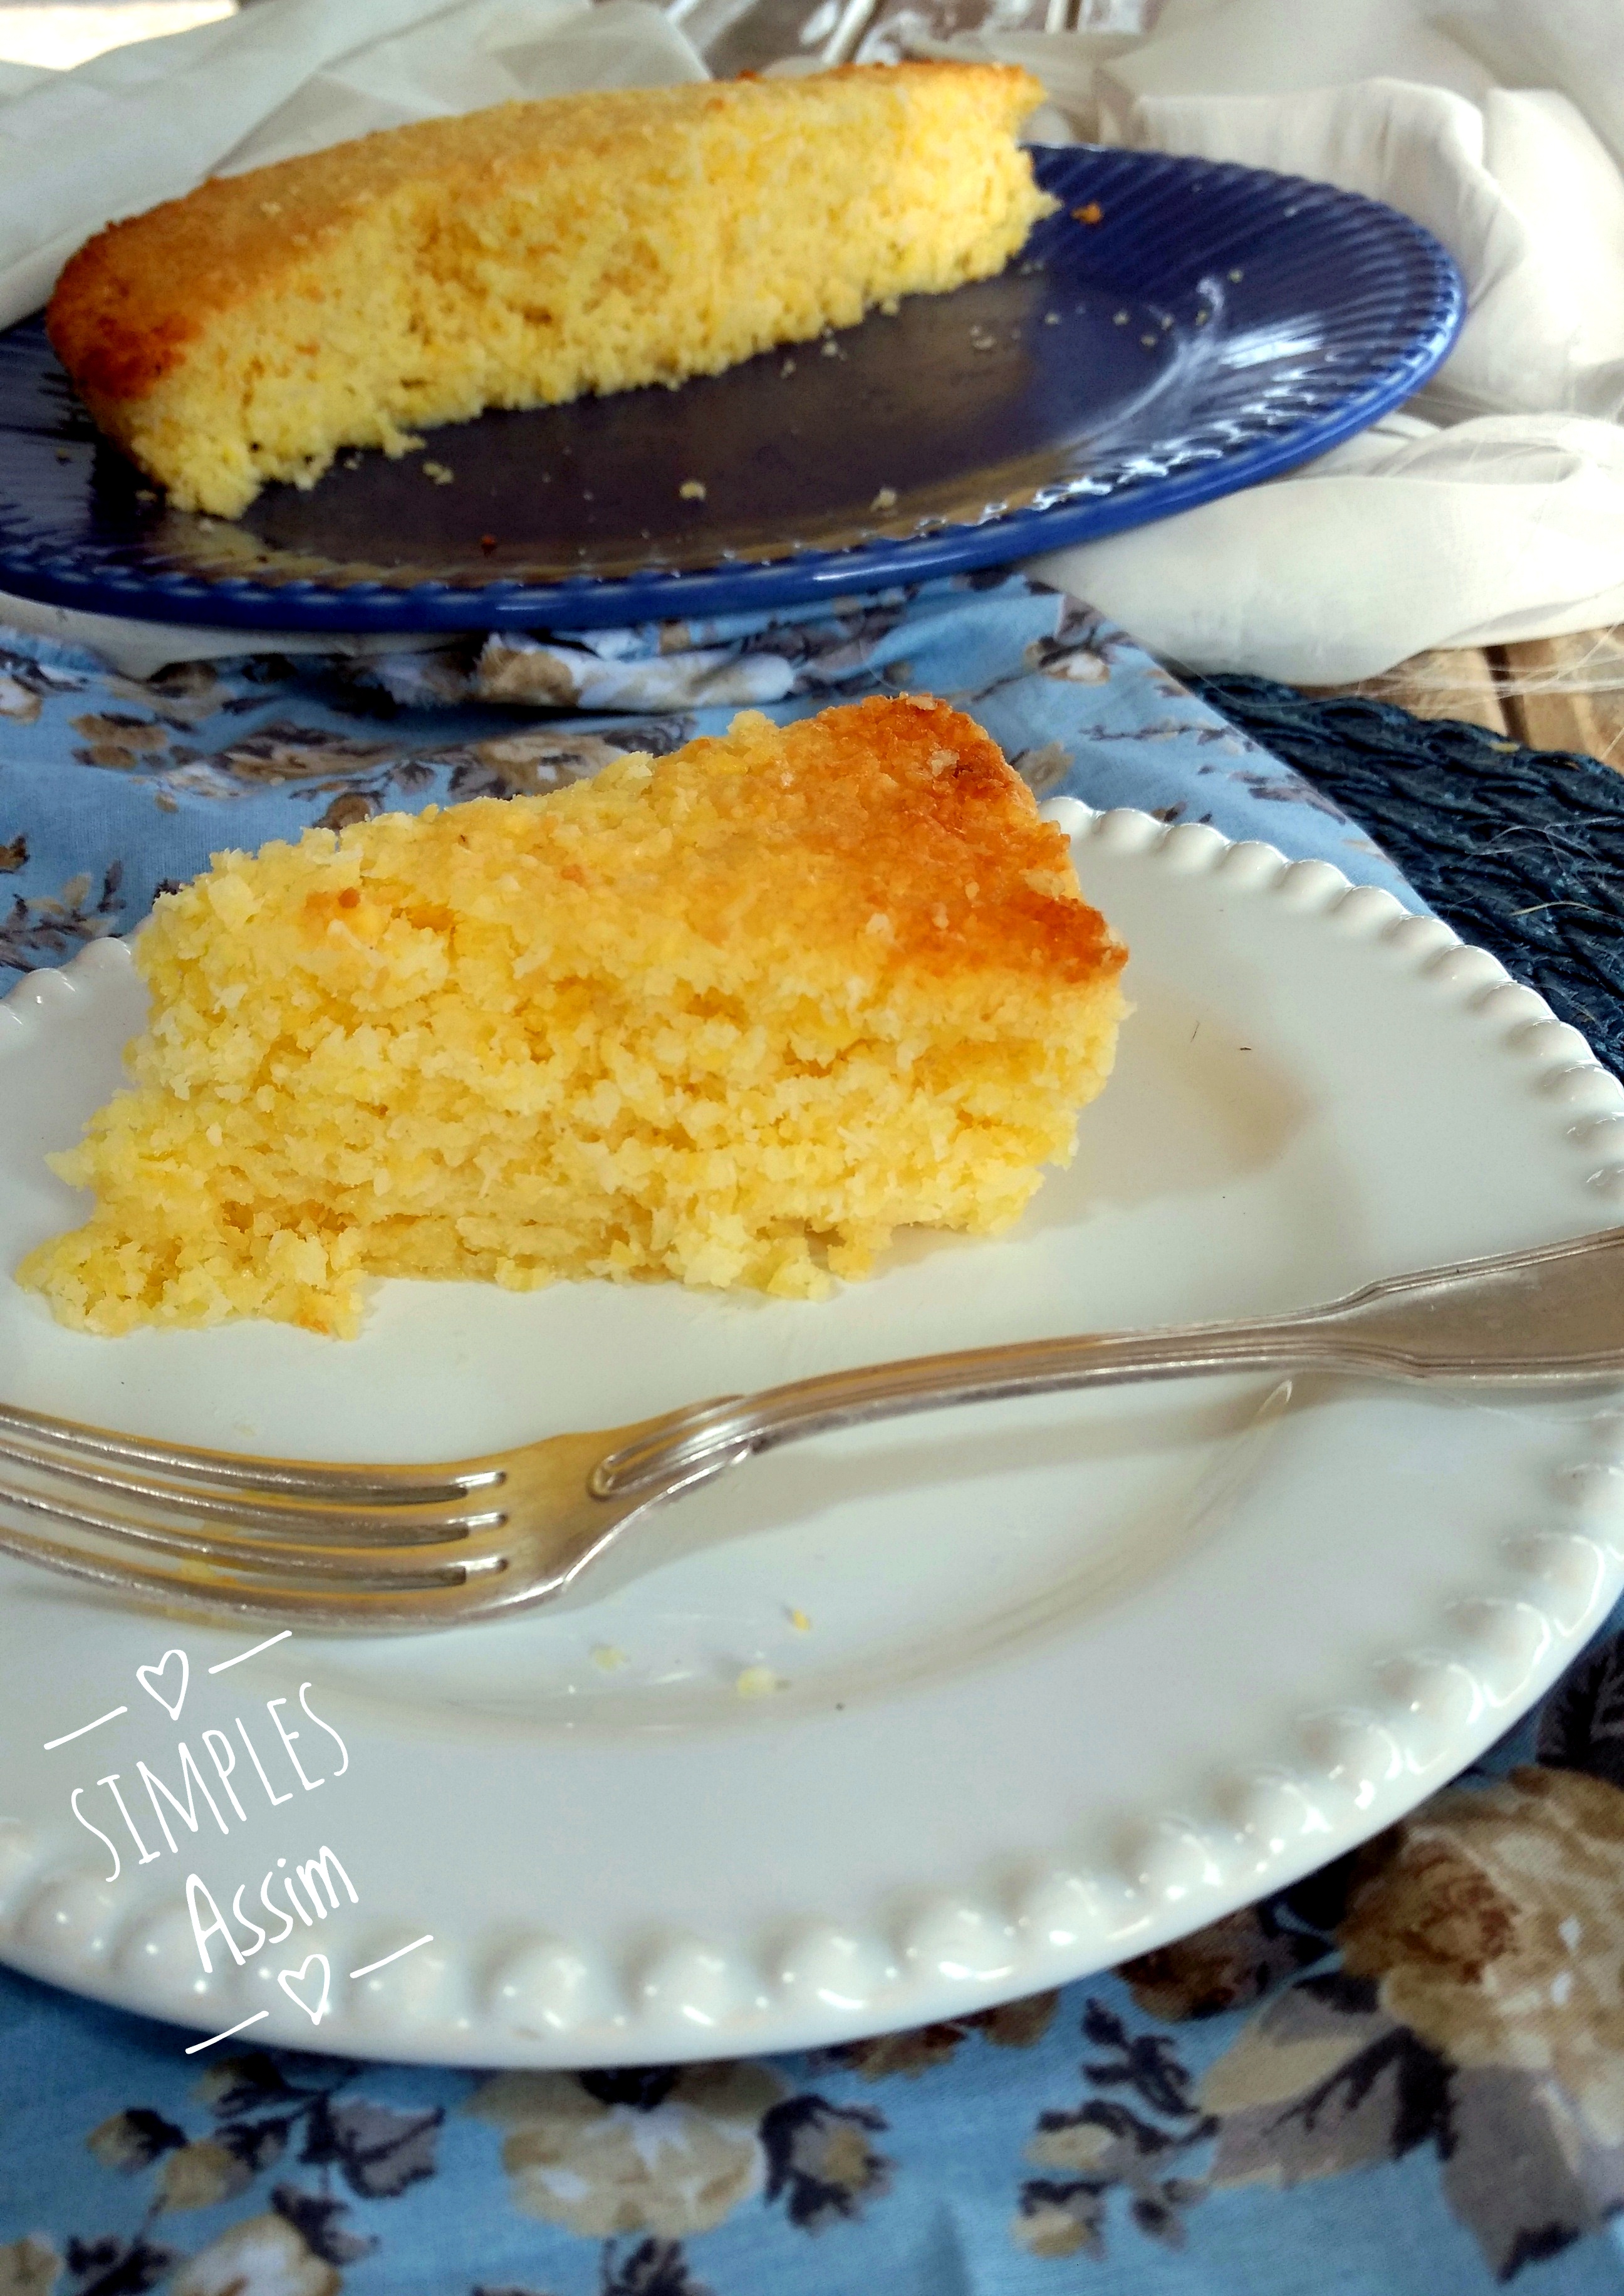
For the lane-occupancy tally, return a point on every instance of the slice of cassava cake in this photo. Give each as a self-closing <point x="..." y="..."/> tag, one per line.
<point x="730" y="1016"/>
<point x="522" y="256"/>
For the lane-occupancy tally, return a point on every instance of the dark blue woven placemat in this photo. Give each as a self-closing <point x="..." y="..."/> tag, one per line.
<point x="1520" y="850"/>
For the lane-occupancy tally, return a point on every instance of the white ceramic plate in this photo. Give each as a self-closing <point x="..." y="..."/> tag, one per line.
<point x="1077" y="1675"/>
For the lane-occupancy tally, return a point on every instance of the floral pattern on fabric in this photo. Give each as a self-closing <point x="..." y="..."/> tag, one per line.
<point x="667" y="2149"/>
<point x="1474" y="2012"/>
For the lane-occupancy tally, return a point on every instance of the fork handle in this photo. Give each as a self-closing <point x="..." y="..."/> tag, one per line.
<point x="1554" y="1314"/>
<point x="693" y="1445"/>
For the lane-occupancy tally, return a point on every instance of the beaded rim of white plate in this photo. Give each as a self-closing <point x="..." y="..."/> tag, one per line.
<point x="1348" y="1775"/>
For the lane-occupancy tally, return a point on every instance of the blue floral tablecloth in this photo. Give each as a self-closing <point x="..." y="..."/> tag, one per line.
<point x="1403" y="2078"/>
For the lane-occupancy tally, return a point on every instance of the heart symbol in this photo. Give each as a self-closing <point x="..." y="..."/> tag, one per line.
<point x="291" y="1980"/>
<point x="149" y="1677"/>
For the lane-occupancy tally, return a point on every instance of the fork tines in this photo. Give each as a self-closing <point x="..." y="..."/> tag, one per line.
<point x="261" y="1527"/>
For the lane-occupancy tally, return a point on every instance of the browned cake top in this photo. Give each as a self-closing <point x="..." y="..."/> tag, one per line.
<point x="902" y="809"/>
<point x="884" y="838"/>
<point x="134" y="296"/>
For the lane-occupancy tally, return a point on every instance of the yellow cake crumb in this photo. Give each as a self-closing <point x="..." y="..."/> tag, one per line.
<point x="521" y="256"/>
<point x="756" y="1682"/>
<point x="641" y="1027"/>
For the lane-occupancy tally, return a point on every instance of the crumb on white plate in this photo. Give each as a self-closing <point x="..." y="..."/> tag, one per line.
<point x="608" y="1656"/>
<point x="756" y="1682"/>
<point x="799" y="1620"/>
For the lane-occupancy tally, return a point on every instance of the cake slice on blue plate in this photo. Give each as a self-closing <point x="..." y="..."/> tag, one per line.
<point x="521" y="256"/>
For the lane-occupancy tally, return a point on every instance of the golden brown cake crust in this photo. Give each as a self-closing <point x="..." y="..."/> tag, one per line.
<point x="127" y="304"/>
<point x="904" y="808"/>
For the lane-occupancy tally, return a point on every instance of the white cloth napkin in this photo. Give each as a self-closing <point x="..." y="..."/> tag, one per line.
<point x="1493" y="509"/>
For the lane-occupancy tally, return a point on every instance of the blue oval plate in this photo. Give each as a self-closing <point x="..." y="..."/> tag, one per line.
<point x="1177" y="329"/>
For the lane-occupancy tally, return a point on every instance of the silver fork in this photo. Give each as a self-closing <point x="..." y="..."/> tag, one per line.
<point x="389" y="1549"/>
